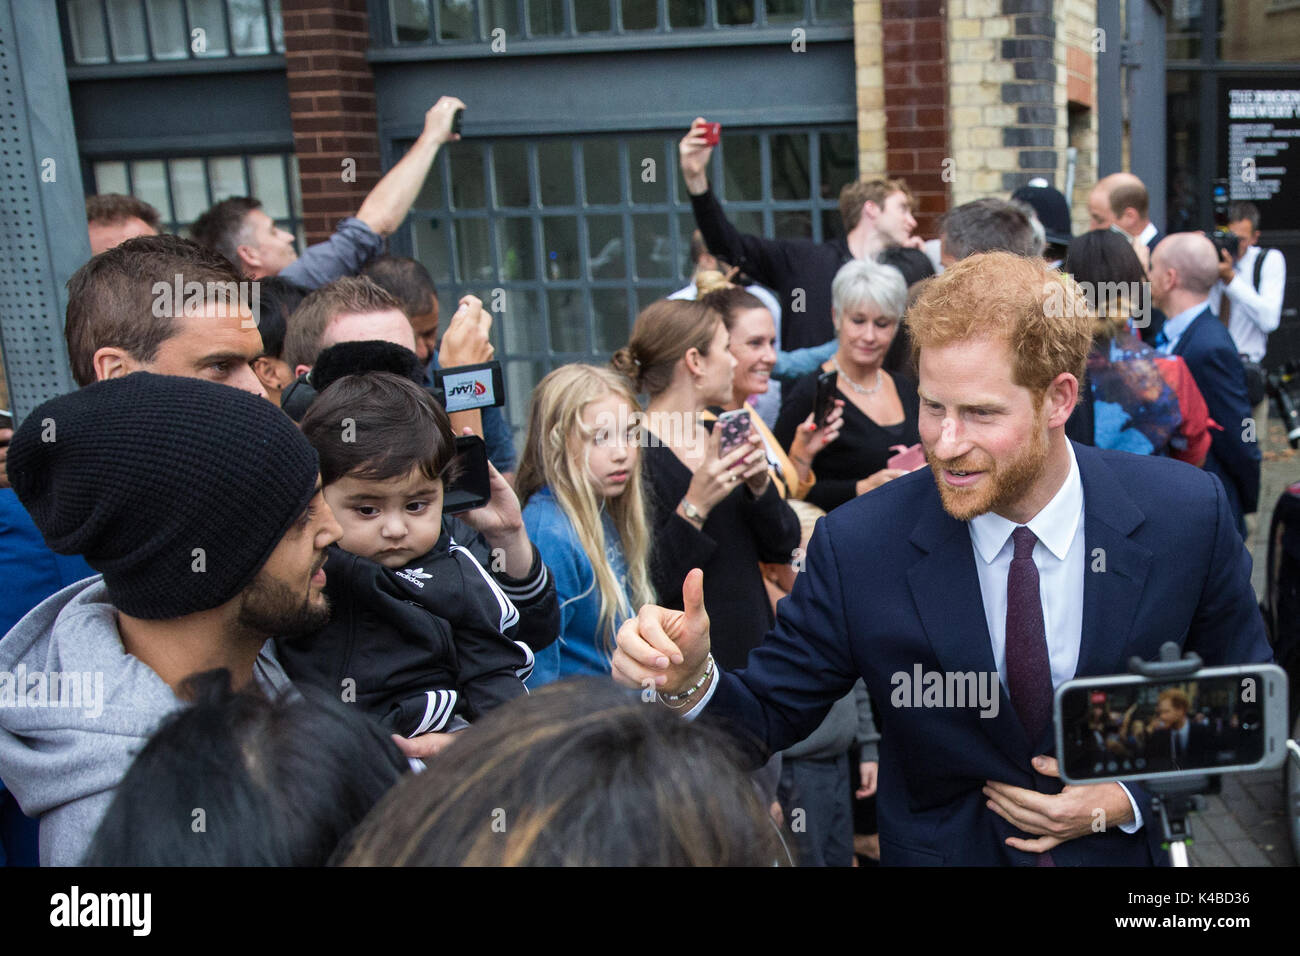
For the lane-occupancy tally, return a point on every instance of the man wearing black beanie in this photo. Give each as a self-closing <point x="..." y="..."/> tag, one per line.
<point x="201" y="507"/>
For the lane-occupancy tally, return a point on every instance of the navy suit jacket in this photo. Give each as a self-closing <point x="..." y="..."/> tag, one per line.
<point x="1212" y="358"/>
<point x="890" y="584"/>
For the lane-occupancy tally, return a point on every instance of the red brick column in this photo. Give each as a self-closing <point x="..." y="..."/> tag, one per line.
<point x="332" y="104"/>
<point x="914" y="47"/>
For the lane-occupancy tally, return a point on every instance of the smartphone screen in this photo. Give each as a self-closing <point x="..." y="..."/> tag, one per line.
<point x="1135" y="727"/>
<point x="472" y="488"/>
<point x="824" y="404"/>
<point x="735" y="427"/>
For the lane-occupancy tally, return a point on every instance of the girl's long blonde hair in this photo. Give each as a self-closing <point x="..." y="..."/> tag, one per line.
<point x="555" y="415"/>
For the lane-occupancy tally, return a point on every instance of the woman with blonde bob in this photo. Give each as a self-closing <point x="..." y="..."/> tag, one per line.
<point x="580" y="482"/>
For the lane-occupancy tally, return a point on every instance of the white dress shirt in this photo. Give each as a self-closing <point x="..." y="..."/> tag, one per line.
<point x="1255" y="312"/>
<point x="1060" y="556"/>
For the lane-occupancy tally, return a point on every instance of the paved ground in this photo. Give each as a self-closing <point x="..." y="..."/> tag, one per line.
<point x="1246" y="824"/>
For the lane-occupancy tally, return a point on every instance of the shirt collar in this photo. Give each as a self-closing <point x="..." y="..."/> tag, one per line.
<point x="1145" y="235"/>
<point x="1175" y="326"/>
<point x="1054" y="525"/>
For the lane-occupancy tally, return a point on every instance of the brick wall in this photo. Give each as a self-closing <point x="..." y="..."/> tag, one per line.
<point x="976" y="29"/>
<point x="914" y="46"/>
<point x="332" y="105"/>
<point x="1077" y="73"/>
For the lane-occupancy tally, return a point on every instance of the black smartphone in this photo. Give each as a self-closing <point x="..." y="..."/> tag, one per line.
<point x="473" y="486"/>
<point x="825" y="401"/>
<point x="1131" y="727"/>
<point x="457" y="119"/>
<point x="735" y="427"/>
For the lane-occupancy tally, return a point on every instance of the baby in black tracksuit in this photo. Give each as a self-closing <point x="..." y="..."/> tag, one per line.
<point x="420" y="633"/>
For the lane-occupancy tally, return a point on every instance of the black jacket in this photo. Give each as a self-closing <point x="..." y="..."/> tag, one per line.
<point x="419" y="645"/>
<point x="799" y="271"/>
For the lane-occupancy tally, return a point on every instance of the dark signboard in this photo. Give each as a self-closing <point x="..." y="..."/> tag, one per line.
<point x="1260" y="156"/>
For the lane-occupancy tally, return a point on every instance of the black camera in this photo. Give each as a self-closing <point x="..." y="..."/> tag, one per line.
<point x="1226" y="239"/>
<point x="1280" y="382"/>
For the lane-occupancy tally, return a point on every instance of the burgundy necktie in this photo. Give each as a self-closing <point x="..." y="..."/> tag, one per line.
<point x="1029" y="673"/>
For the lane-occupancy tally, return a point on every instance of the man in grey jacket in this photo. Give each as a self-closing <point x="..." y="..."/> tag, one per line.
<point x="201" y="507"/>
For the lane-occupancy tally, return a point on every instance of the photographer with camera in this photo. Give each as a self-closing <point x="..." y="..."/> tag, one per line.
<point x="1248" y="296"/>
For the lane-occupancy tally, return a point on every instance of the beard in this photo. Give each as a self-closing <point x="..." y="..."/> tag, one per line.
<point x="272" y="608"/>
<point x="1001" y="486"/>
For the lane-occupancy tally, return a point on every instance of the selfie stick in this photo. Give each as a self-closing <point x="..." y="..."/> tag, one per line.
<point x="1174" y="797"/>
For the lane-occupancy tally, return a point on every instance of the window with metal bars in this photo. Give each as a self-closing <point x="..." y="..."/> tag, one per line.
<point x="140" y="31"/>
<point x="182" y="188"/>
<point x="567" y="239"/>
<point x="468" y="21"/>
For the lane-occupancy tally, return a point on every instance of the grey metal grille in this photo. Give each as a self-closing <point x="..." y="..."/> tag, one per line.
<point x="43" y="237"/>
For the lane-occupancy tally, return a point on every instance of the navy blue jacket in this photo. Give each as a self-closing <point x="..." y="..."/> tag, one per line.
<point x="1212" y="358"/>
<point x="890" y="583"/>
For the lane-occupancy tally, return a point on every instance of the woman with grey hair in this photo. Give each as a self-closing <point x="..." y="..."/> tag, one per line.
<point x="880" y="408"/>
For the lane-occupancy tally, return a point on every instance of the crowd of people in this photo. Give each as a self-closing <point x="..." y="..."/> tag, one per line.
<point x="816" y="467"/>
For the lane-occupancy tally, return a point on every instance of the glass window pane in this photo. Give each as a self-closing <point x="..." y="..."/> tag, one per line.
<point x="567" y="320"/>
<point x="473" y="251"/>
<point x="430" y="195"/>
<point x="521" y="324"/>
<point x="429" y="243"/>
<point x="639" y="14"/>
<point x="546" y="17"/>
<point x="784" y="11"/>
<point x="86" y="30"/>
<point x="189" y="189"/>
<point x="613" y="327"/>
<point x="467" y="187"/>
<point x="741" y="171"/>
<point x="686" y="13"/>
<point x="601" y="171"/>
<point x="834" y="10"/>
<point x="1182" y="149"/>
<point x="645" y="294"/>
<point x="748" y="221"/>
<point x="560" y="242"/>
<point x="208" y="16"/>
<point x="654" y="255"/>
<point x="149" y="177"/>
<point x="455" y="19"/>
<point x="521" y="378"/>
<point x="685" y="267"/>
<point x="732" y="12"/>
<point x="410" y="20"/>
<point x="592" y="15"/>
<point x="605" y="241"/>
<point x="268" y="185"/>
<point x="555" y="169"/>
<point x="167" y="30"/>
<point x="126" y="27"/>
<point x="792" y="224"/>
<point x="647" y="171"/>
<point x="1250" y="34"/>
<point x="515" y="248"/>
<point x="295" y="187"/>
<point x="111" y="178"/>
<point x="503" y="14"/>
<point x="248" y="27"/>
<point x="510" y="174"/>
<point x="791" y="175"/>
<point x="832" y="224"/>
<point x="226" y="174"/>
<point x="277" y="27"/>
<point x="839" y="162"/>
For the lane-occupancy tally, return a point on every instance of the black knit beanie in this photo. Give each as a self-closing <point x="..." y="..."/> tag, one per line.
<point x="138" y="473"/>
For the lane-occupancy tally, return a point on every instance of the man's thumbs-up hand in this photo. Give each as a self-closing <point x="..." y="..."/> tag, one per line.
<point x="664" y="649"/>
